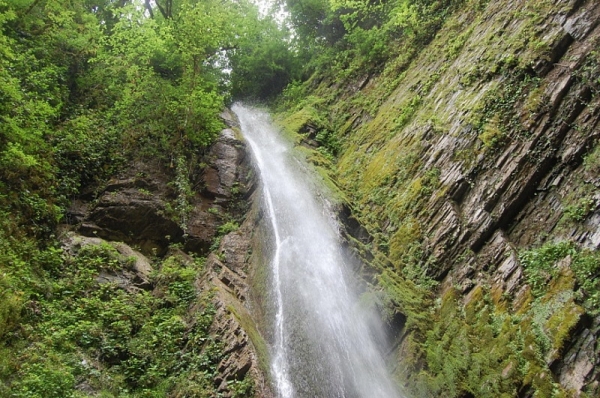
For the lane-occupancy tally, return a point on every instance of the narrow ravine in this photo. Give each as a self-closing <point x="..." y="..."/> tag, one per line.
<point x="324" y="343"/>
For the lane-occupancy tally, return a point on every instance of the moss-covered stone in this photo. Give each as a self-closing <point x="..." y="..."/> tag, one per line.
<point x="471" y="142"/>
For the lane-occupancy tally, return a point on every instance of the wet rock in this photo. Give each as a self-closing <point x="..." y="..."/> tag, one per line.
<point x="577" y="366"/>
<point x="229" y="118"/>
<point x="77" y="212"/>
<point x="582" y="22"/>
<point x="235" y="250"/>
<point x="202" y="226"/>
<point x="135" y="207"/>
<point x="233" y="325"/>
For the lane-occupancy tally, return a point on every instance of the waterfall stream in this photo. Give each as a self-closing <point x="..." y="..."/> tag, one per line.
<point x="324" y="343"/>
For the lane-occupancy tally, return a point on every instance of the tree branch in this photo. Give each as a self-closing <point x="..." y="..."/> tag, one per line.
<point x="149" y="8"/>
<point x="164" y="13"/>
<point x="31" y="7"/>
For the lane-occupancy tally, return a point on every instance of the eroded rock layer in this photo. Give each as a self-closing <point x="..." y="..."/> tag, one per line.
<point x="139" y="209"/>
<point x="473" y="168"/>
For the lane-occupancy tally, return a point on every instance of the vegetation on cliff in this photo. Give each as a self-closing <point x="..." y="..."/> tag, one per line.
<point x="462" y="134"/>
<point x="87" y="88"/>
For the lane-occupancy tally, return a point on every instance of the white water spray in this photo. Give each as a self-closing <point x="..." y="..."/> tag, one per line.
<point x="324" y="345"/>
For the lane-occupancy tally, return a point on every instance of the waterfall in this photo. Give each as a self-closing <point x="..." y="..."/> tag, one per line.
<point x="324" y="344"/>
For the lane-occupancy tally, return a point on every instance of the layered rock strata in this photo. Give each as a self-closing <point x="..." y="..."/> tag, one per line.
<point x="484" y="150"/>
<point x="135" y="209"/>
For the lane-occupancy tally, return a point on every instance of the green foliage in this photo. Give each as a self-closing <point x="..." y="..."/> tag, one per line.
<point x="292" y="95"/>
<point x="263" y="63"/>
<point x="588" y="74"/>
<point x="184" y="191"/>
<point x="401" y="295"/>
<point x="578" y="212"/>
<point x="370" y="44"/>
<point x="592" y="161"/>
<point x="315" y="21"/>
<point x="364" y="34"/>
<point x="328" y="141"/>
<point x="540" y="263"/>
<point x="586" y="266"/>
<point x="86" y="87"/>
<point x="10" y="304"/>
<point x="86" y="151"/>
<point x="153" y="71"/>
<point x="242" y="388"/>
<point x="116" y="340"/>
<point x="476" y="347"/>
<point x="498" y="116"/>
<point x="44" y="379"/>
<point x="541" y="269"/>
<point x="228" y="227"/>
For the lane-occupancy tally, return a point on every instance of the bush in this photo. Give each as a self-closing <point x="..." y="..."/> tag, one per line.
<point x="44" y="380"/>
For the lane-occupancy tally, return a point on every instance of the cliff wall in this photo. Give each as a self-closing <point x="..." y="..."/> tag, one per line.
<point x="473" y="170"/>
<point x="175" y="241"/>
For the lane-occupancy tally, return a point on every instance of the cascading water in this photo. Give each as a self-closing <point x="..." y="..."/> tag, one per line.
<point x="323" y="344"/>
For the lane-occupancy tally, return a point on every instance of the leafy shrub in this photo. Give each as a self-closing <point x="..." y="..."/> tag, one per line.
<point x="578" y="212"/>
<point x="44" y="379"/>
<point x="228" y="227"/>
<point x="540" y="269"/>
<point x="586" y="266"/>
<point x="540" y="263"/>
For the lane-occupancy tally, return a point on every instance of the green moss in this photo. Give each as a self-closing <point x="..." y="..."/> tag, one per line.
<point x="578" y="211"/>
<point x="408" y="234"/>
<point x="306" y="116"/>
<point x="238" y="133"/>
<point x="539" y="264"/>
<point x="259" y="290"/>
<point x="586" y="267"/>
<point x="491" y="135"/>
<point x="298" y="120"/>
<point x="592" y="161"/>
<point x="483" y="350"/>
<point x="249" y="326"/>
<point x="541" y="271"/>
<point x="11" y="302"/>
<point x="580" y="201"/>
<point x="474" y="303"/>
<point x="404" y="296"/>
<point x="560" y="325"/>
<point x="536" y="101"/>
<point x="475" y="80"/>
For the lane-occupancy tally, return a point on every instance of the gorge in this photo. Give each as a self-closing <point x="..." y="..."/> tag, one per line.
<point x="445" y="244"/>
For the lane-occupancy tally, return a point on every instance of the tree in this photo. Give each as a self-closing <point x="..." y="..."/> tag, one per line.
<point x="263" y="62"/>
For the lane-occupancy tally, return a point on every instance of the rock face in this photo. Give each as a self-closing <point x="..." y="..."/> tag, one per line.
<point x="133" y="209"/>
<point x="514" y="197"/>
<point x="486" y="149"/>
<point x="221" y="177"/>
<point x="134" y="278"/>
<point x="139" y="206"/>
<point x="136" y="208"/>
<point x="227" y="277"/>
